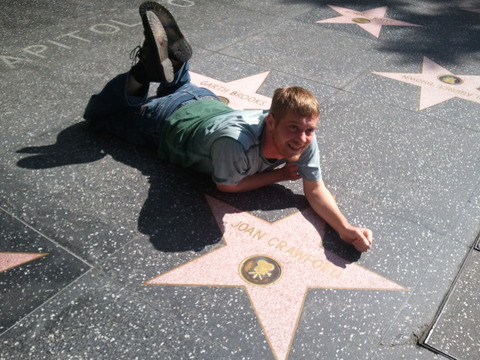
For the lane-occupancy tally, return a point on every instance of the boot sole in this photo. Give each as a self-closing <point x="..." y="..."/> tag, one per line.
<point x="160" y="40"/>
<point x="178" y="46"/>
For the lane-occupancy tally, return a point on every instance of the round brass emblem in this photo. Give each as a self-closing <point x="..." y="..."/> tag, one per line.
<point x="224" y="100"/>
<point x="361" y="20"/>
<point x="260" y="270"/>
<point x="450" y="79"/>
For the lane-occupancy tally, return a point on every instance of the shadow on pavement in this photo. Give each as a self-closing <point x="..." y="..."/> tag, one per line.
<point x="448" y="30"/>
<point x="175" y="215"/>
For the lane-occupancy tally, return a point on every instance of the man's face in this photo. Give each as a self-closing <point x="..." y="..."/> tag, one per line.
<point x="292" y="134"/>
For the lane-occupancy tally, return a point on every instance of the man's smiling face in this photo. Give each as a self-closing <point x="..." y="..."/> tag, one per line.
<point x="291" y="134"/>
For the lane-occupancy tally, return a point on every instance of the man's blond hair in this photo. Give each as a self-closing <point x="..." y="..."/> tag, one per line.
<point x="295" y="98"/>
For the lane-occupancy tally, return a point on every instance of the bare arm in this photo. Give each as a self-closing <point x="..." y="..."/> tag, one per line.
<point x="252" y="182"/>
<point x="323" y="203"/>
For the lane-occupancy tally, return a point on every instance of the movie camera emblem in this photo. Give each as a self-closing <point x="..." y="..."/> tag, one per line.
<point x="360" y="20"/>
<point x="450" y="79"/>
<point x="260" y="270"/>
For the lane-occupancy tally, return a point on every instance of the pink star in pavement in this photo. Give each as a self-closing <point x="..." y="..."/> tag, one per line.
<point x="370" y="20"/>
<point x="276" y="263"/>
<point x="238" y="94"/>
<point x="438" y="84"/>
<point x="9" y="260"/>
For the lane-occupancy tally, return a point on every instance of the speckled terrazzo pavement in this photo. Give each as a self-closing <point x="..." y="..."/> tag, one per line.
<point x="106" y="252"/>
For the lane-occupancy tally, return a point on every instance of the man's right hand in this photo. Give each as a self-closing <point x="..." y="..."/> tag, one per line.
<point x="290" y="171"/>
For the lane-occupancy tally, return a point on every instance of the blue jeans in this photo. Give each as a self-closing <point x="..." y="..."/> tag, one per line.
<point x="139" y="119"/>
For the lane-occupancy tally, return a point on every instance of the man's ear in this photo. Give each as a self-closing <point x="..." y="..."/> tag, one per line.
<point x="270" y="121"/>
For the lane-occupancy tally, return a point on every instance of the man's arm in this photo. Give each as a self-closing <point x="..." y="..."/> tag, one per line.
<point x="323" y="203"/>
<point x="252" y="182"/>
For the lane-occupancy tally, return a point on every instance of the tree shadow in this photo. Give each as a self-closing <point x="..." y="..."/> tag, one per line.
<point x="448" y="33"/>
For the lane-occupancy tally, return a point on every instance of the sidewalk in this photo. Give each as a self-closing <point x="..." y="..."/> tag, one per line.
<point x="108" y="253"/>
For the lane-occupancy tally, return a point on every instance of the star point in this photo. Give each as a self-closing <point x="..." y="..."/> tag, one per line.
<point x="276" y="263"/>
<point x="239" y="94"/>
<point x="10" y="260"/>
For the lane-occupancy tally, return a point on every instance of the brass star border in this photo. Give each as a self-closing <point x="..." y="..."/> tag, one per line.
<point x="370" y="20"/>
<point x="276" y="263"/>
<point x="439" y="84"/>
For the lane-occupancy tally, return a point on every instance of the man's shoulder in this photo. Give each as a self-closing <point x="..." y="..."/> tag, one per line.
<point x="244" y="126"/>
<point x="252" y="117"/>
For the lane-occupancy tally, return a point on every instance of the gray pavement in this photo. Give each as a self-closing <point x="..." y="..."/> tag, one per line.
<point x="107" y="252"/>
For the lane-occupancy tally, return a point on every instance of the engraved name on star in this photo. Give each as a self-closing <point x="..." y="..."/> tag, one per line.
<point x="239" y="94"/>
<point x="10" y="260"/>
<point x="369" y="20"/>
<point x="276" y="263"/>
<point x="438" y="84"/>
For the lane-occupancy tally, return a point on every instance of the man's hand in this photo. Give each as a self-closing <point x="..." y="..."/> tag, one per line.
<point x="322" y="201"/>
<point x="290" y="171"/>
<point x="360" y="238"/>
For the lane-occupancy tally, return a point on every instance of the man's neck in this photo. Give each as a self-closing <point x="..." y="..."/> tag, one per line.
<point x="268" y="148"/>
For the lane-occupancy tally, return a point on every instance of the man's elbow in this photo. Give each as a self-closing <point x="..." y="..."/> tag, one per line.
<point x="312" y="187"/>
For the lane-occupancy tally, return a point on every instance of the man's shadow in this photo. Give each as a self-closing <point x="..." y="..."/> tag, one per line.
<point x="175" y="215"/>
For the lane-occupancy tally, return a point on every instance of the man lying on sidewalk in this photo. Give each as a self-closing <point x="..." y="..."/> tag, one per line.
<point x="190" y="127"/>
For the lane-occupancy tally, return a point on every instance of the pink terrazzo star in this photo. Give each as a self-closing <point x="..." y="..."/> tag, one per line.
<point x="370" y="20"/>
<point x="239" y="94"/>
<point x="276" y="263"/>
<point x="439" y="85"/>
<point x="9" y="260"/>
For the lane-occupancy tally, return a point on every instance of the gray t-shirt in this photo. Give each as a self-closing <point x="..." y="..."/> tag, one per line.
<point x="211" y="138"/>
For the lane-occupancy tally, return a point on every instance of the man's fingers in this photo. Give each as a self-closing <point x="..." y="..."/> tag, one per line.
<point x="361" y="245"/>
<point x="291" y="171"/>
<point x="368" y="235"/>
<point x="364" y="240"/>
